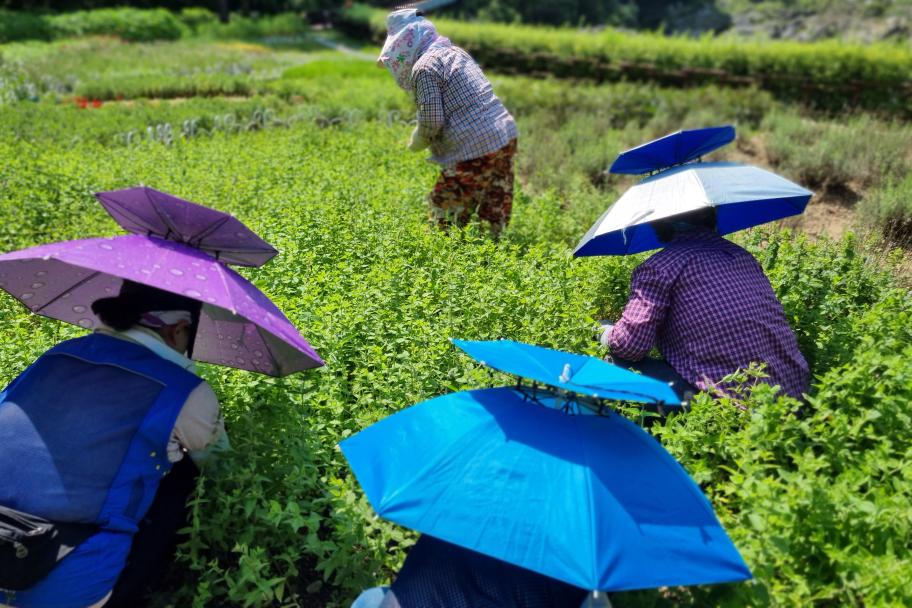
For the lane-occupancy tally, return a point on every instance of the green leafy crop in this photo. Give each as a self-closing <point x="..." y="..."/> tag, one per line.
<point x="815" y="495"/>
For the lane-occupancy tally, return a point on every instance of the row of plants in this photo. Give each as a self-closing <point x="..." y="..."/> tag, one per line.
<point x="570" y="134"/>
<point x="137" y="25"/>
<point x="831" y="75"/>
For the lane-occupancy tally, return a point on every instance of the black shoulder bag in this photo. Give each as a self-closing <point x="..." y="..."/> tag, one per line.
<point x="31" y="546"/>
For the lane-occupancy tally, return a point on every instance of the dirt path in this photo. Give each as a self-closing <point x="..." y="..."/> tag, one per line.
<point x="831" y="211"/>
<point x="345" y="50"/>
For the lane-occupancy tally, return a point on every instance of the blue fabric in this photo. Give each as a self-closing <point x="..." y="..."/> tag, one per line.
<point x="743" y="196"/>
<point x="138" y="435"/>
<point x="676" y="148"/>
<point x="371" y="598"/>
<point x="83" y="578"/>
<point x="437" y="574"/>
<point x="578" y="373"/>
<point x="593" y="501"/>
<point x="50" y="420"/>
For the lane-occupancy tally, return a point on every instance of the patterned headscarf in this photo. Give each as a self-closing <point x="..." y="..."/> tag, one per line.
<point x="408" y="35"/>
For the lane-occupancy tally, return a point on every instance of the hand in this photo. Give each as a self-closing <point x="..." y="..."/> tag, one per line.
<point x="417" y="141"/>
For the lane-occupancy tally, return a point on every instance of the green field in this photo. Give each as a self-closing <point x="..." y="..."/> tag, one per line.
<point x="307" y="147"/>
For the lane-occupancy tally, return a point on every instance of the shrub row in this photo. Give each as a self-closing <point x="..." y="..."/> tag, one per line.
<point x="139" y="25"/>
<point x="830" y="75"/>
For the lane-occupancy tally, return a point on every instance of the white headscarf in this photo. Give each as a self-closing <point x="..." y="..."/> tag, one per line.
<point x="408" y="35"/>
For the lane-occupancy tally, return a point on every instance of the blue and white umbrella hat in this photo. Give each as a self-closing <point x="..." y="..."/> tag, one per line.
<point x="743" y="196"/>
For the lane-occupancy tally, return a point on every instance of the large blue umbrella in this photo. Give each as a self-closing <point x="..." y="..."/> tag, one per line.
<point x="593" y="501"/>
<point x="742" y="195"/>
<point x="569" y="371"/>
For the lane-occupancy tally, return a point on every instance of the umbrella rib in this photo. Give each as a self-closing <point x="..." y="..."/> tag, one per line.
<point x="590" y="506"/>
<point x="138" y="220"/>
<point x="199" y="236"/>
<point x="272" y="356"/>
<point x="623" y="392"/>
<point x="168" y="224"/>
<point x="221" y="273"/>
<point x="67" y="290"/>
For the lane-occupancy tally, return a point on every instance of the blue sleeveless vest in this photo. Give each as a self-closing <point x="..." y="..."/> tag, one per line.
<point x="84" y="431"/>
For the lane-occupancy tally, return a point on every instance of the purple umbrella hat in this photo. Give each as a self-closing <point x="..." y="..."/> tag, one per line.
<point x="144" y="210"/>
<point x="239" y="326"/>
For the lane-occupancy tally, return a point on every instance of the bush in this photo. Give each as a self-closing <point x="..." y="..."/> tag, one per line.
<point x="241" y="28"/>
<point x="23" y="26"/>
<point x="196" y="17"/>
<point x="889" y="208"/>
<point x="130" y="24"/>
<point x="857" y="149"/>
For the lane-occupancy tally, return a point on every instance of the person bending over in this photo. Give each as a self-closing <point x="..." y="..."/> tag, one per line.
<point x="88" y="434"/>
<point x="709" y="308"/>
<point x="468" y="130"/>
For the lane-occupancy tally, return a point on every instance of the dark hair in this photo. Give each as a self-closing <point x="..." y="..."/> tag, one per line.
<point x="120" y="313"/>
<point x="667" y="228"/>
<point x="125" y="310"/>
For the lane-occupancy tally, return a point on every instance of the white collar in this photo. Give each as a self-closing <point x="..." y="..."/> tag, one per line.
<point x="155" y="343"/>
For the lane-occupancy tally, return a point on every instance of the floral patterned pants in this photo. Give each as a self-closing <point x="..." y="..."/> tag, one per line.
<point x="483" y="184"/>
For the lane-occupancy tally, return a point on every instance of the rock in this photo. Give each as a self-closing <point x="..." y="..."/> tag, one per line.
<point x="894" y="27"/>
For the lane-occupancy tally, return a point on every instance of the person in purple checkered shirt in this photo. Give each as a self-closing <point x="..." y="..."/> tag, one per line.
<point x="468" y="130"/>
<point x="706" y="304"/>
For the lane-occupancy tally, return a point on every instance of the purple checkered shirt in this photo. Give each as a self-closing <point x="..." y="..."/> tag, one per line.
<point x="458" y="111"/>
<point x="708" y="307"/>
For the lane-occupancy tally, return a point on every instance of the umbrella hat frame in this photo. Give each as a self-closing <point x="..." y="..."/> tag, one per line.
<point x="593" y="501"/>
<point x="518" y="475"/>
<point x="743" y="196"/>
<point x="174" y="248"/>
<point x="585" y="380"/>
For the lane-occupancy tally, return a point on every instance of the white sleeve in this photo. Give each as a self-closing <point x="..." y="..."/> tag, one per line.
<point x="199" y="423"/>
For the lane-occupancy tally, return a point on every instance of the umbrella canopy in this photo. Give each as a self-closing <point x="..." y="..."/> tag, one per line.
<point x="743" y="196"/>
<point x="147" y="211"/>
<point x="569" y="371"/>
<point x="239" y="326"/>
<point x="676" y="148"/>
<point x="590" y="500"/>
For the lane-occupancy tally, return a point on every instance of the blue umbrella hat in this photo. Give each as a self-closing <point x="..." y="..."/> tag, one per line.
<point x="680" y="183"/>
<point x="569" y="373"/>
<point x="590" y="500"/>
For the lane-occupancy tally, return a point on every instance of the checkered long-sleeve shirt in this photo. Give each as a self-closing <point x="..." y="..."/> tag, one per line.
<point x="458" y="112"/>
<point x="710" y="310"/>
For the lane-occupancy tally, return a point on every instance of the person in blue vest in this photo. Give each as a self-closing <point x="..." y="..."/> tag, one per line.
<point x="97" y="432"/>
<point x="438" y="574"/>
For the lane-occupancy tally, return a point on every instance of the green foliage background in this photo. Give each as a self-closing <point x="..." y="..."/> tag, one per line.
<point x="830" y="75"/>
<point x="815" y="496"/>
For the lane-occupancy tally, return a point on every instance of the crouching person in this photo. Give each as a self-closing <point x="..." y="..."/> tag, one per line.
<point x="93" y="439"/>
<point x="437" y="574"/>
<point x="707" y="306"/>
<point x="468" y="130"/>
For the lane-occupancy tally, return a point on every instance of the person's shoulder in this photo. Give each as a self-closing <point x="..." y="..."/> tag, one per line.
<point x="430" y="61"/>
<point x="669" y="259"/>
